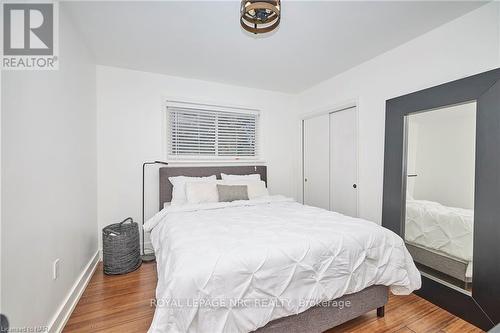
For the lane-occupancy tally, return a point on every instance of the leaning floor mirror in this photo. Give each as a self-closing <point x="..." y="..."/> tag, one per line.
<point x="442" y="191"/>
<point x="439" y="206"/>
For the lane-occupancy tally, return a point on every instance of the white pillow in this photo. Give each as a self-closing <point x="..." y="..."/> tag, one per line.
<point x="254" y="176"/>
<point x="179" y="190"/>
<point x="202" y="192"/>
<point x="256" y="188"/>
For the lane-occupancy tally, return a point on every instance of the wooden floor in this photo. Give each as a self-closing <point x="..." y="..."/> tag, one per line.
<point x="122" y="304"/>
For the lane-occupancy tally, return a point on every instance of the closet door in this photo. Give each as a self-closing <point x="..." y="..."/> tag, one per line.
<point x="343" y="162"/>
<point x="316" y="161"/>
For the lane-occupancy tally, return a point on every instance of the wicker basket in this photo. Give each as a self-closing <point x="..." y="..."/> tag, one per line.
<point x="120" y="247"/>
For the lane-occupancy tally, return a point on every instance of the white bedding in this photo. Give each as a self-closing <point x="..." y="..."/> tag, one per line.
<point x="445" y="229"/>
<point x="233" y="267"/>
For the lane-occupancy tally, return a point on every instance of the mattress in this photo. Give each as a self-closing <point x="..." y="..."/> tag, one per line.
<point x="447" y="230"/>
<point x="234" y="267"/>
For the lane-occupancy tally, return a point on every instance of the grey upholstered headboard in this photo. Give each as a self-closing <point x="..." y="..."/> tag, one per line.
<point x="165" y="172"/>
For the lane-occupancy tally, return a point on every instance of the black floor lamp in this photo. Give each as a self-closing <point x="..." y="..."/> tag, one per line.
<point x="150" y="256"/>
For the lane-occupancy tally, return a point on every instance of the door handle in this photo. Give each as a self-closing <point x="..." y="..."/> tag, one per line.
<point x="354" y="185"/>
<point x="305" y="180"/>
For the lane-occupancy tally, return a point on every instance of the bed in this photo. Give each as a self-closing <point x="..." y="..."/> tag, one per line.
<point x="268" y="264"/>
<point x="440" y="237"/>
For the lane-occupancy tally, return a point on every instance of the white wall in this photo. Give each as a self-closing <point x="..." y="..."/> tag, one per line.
<point x="1" y="212"/>
<point x="441" y="152"/>
<point x="130" y="117"/>
<point x="411" y="157"/>
<point x="465" y="46"/>
<point x="48" y="181"/>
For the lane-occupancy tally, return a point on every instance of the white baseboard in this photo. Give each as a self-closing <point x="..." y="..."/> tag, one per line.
<point x="64" y="312"/>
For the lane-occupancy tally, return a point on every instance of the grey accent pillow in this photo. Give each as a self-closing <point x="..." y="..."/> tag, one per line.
<point x="228" y="193"/>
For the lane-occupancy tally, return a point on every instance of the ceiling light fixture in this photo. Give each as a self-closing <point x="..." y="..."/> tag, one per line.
<point x="260" y="16"/>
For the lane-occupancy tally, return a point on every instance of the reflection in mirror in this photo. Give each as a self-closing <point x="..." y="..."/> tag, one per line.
<point x="440" y="163"/>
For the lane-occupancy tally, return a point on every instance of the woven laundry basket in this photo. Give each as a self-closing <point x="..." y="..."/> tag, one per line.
<point x="120" y="247"/>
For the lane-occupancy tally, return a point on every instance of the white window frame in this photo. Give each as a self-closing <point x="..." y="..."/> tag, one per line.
<point x="207" y="158"/>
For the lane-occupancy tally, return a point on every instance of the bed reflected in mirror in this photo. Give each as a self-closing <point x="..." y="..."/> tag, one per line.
<point x="440" y="169"/>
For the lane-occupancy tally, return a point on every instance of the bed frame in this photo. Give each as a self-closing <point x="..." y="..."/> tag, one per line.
<point x="316" y="319"/>
<point x="440" y="262"/>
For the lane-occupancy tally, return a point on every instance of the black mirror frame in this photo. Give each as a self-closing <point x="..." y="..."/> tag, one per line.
<point x="482" y="308"/>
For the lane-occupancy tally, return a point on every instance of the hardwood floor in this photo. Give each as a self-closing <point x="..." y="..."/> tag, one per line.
<point x="122" y="304"/>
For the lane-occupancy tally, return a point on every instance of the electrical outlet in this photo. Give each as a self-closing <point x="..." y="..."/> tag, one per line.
<point x="55" y="268"/>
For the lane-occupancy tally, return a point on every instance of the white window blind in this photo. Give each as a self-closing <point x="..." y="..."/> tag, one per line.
<point x="200" y="131"/>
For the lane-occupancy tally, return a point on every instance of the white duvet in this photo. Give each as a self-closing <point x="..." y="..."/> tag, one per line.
<point x="233" y="267"/>
<point x="445" y="229"/>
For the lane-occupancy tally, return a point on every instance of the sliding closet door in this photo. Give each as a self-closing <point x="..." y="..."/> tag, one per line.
<point x="343" y="162"/>
<point x="316" y="161"/>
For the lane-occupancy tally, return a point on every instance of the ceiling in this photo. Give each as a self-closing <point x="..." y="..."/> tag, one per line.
<point x="203" y="40"/>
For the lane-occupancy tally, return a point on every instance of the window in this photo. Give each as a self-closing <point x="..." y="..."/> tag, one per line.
<point x="197" y="131"/>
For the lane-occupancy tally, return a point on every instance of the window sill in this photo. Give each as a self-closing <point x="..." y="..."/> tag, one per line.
<point x="216" y="162"/>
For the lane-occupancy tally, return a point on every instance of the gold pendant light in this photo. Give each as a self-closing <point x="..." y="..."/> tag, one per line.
<point x="260" y="16"/>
